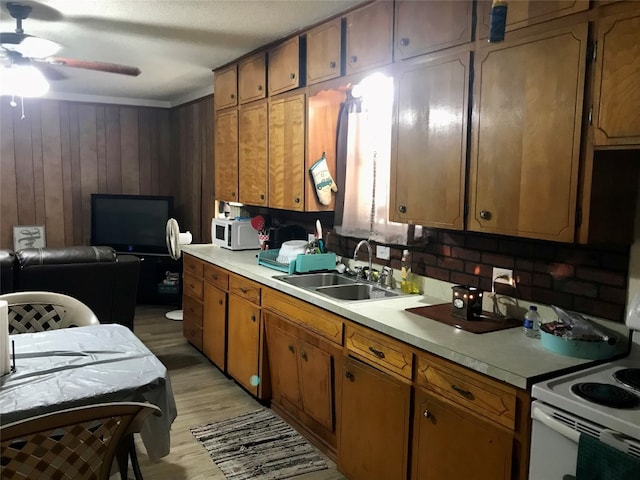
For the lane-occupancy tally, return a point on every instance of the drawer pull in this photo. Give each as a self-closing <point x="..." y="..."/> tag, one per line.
<point x="349" y="375"/>
<point x="253" y="318"/>
<point x="462" y="391"/>
<point x="291" y="349"/>
<point x="377" y="353"/>
<point x="333" y="64"/>
<point x="220" y="301"/>
<point x="244" y="290"/>
<point x="214" y="277"/>
<point x="303" y="355"/>
<point x="426" y="414"/>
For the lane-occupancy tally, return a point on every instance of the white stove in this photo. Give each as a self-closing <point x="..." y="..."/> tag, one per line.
<point x="563" y="410"/>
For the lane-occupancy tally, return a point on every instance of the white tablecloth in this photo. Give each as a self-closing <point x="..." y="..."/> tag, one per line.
<point x="65" y="368"/>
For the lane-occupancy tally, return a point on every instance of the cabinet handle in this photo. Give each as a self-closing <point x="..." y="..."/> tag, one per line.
<point x="291" y="349"/>
<point x="296" y="200"/>
<point x="332" y="64"/>
<point x="292" y="76"/>
<point x="377" y="353"/>
<point x="214" y="277"/>
<point x="402" y="209"/>
<point x="462" y="391"/>
<point x="243" y="290"/>
<point x="233" y="96"/>
<point x="404" y="42"/>
<point x="485" y="214"/>
<point x="426" y="414"/>
<point x="220" y="301"/>
<point x="253" y="318"/>
<point x="262" y="196"/>
<point x="354" y="58"/>
<point x="233" y="194"/>
<point x="260" y="88"/>
<point x="303" y="355"/>
<point x="349" y="375"/>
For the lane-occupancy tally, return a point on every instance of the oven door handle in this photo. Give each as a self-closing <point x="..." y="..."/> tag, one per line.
<point x="570" y="433"/>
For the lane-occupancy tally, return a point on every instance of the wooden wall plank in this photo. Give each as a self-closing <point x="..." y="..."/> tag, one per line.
<point x="129" y="150"/>
<point x="76" y="174"/>
<point x="38" y="168"/>
<point x="53" y="181"/>
<point x="8" y="187"/>
<point x="67" y="183"/>
<point x="88" y="149"/>
<point x="114" y="166"/>
<point x="144" y="157"/>
<point x="101" y="144"/>
<point x="24" y="167"/>
<point x="165" y="179"/>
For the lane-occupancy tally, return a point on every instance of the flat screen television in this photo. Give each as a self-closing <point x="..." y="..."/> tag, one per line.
<point x="130" y="223"/>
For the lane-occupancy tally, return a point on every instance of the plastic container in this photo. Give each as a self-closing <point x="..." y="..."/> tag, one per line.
<point x="405" y="272"/>
<point x="531" y="323"/>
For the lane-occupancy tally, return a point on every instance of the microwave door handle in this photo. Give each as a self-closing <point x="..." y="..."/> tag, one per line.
<point x="562" y="429"/>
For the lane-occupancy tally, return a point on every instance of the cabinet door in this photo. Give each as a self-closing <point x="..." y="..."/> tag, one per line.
<point x="430" y="143"/>
<point x="243" y="343"/>
<point x="617" y="96"/>
<point x="283" y="361"/>
<point x="286" y="153"/>
<point x="369" y="37"/>
<point x="324" y="52"/>
<point x="226" y="155"/>
<point x="252" y="78"/>
<point x="423" y="27"/>
<point x="374" y="424"/>
<point x="214" y="325"/>
<point x="315" y="367"/>
<point x="523" y="13"/>
<point x="449" y="443"/>
<point x="253" y="153"/>
<point x="192" y="321"/>
<point x="284" y="66"/>
<point x="526" y="135"/>
<point x="225" y="87"/>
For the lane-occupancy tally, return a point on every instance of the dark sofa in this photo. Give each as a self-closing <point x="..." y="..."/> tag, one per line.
<point x="97" y="276"/>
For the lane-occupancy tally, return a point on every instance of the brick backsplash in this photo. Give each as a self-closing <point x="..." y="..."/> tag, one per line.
<point x="587" y="279"/>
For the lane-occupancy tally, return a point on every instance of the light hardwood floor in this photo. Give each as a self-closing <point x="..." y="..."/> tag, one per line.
<point x="203" y="395"/>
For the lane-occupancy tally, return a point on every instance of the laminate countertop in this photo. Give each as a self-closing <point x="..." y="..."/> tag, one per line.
<point x="506" y="355"/>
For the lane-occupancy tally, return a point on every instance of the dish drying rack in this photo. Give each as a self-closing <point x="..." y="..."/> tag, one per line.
<point x="302" y="264"/>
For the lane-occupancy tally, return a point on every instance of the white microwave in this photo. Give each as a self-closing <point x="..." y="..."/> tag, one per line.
<point x="234" y="234"/>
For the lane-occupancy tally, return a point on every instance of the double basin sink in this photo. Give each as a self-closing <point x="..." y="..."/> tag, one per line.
<point x="339" y="286"/>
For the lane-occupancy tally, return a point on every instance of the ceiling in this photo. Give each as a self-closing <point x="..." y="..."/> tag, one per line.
<point x="174" y="43"/>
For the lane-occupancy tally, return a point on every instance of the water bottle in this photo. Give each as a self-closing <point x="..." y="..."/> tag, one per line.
<point x="531" y="323"/>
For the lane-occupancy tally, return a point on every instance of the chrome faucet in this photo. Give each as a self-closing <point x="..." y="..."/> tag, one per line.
<point x="355" y="257"/>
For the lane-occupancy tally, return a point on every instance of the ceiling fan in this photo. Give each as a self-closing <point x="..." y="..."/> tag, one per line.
<point x="19" y="48"/>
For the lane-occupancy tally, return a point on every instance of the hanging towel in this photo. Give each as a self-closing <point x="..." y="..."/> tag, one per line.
<point x="599" y="461"/>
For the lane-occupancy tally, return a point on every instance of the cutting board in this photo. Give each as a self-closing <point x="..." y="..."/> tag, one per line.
<point x="487" y="323"/>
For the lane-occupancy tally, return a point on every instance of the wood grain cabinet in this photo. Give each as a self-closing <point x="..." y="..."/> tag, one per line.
<point x="424" y="27"/>
<point x="214" y="319"/>
<point x="524" y="13"/>
<point x="286" y="152"/>
<point x="252" y="78"/>
<point x="324" y="52"/>
<point x="253" y="154"/>
<point x="285" y="66"/>
<point x="244" y="335"/>
<point x="527" y="120"/>
<point x="616" y="115"/>
<point x="192" y="296"/>
<point x="225" y="87"/>
<point x="369" y="34"/>
<point x="226" y="155"/>
<point x="430" y="142"/>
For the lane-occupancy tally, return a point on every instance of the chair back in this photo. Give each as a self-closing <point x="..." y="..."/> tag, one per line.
<point x="75" y="444"/>
<point x="39" y="311"/>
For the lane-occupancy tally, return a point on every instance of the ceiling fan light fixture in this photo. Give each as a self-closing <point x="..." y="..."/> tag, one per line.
<point x="23" y="81"/>
<point x="35" y="47"/>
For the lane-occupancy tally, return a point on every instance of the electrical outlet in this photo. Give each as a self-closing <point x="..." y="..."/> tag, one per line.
<point x="383" y="253"/>
<point x="506" y="275"/>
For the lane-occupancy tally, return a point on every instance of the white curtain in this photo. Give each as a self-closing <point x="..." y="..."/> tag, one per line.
<point x="366" y="153"/>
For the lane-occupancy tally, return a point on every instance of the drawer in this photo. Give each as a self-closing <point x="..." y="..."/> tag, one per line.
<point x="245" y="288"/>
<point x="192" y="286"/>
<point x="216" y="276"/>
<point x="380" y="350"/>
<point x="315" y="319"/>
<point x="192" y="266"/>
<point x="468" y="389"/>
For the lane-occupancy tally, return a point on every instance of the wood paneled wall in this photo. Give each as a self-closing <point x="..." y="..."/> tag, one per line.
<point x="61" y="152"/>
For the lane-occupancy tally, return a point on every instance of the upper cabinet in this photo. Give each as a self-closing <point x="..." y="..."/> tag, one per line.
<point x="523" y="13"/>
<point x="225" y="87"/>
<point x="616" y="109"/>
<point x="253" y="154"/>
<point x="369" y="37"/>
<point x="226" y="155"/>
<point x="527" y="112"/>
<point x="423" y="27"/>
<point x="430" y="142"/>
<point x="252" y="78"/>
<point x="285" y="66"/>
<point x="324" y="52"/>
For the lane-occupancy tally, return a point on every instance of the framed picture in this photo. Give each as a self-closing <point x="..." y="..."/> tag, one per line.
<point x="28" y="236"/>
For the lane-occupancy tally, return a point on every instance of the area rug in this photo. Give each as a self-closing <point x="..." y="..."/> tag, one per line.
<point x="258" y="445"/>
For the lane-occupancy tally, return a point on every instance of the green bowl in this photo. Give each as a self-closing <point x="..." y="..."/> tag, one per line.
<point x="579" y="348"/>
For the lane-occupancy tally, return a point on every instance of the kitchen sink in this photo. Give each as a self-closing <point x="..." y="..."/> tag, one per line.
<point x="339" y="287"/>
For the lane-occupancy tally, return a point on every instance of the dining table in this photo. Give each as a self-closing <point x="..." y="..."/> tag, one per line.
<point x="73" y="367"/>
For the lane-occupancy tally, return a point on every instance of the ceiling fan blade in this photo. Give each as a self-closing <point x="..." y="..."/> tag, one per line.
<point x="98" y="66"/>
<point x="51" y="74"/>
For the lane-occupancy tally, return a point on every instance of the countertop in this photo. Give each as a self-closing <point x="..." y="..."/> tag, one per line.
<point x="506" y="355"/>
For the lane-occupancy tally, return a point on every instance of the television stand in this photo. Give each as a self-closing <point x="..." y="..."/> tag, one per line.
<point x="153" y="271"/>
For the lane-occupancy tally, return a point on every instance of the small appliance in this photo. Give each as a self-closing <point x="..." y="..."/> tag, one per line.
<point x="234" y="234"/>
<point x="466" y="302"/>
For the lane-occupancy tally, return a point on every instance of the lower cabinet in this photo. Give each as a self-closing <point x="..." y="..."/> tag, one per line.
<point x="373" y="440"/>
<point x="449" y="443"/>
<point x="214" y="325"/>
<point x="192" y="294"/>
<point x="244" y="343"/>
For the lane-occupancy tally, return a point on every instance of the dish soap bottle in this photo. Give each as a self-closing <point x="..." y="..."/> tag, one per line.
<point x="405" y="272"/>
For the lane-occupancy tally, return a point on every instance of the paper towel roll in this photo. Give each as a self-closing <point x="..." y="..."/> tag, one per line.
<point x="5" y="360"/>
<point x="185" y="238"/>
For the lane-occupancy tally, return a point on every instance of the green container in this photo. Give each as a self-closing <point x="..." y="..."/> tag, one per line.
<point x="579" y="348"/>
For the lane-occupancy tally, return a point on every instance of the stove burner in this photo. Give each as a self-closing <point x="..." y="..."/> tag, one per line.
<point x="606" y="394"/>
<point x="629" y="377"/>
